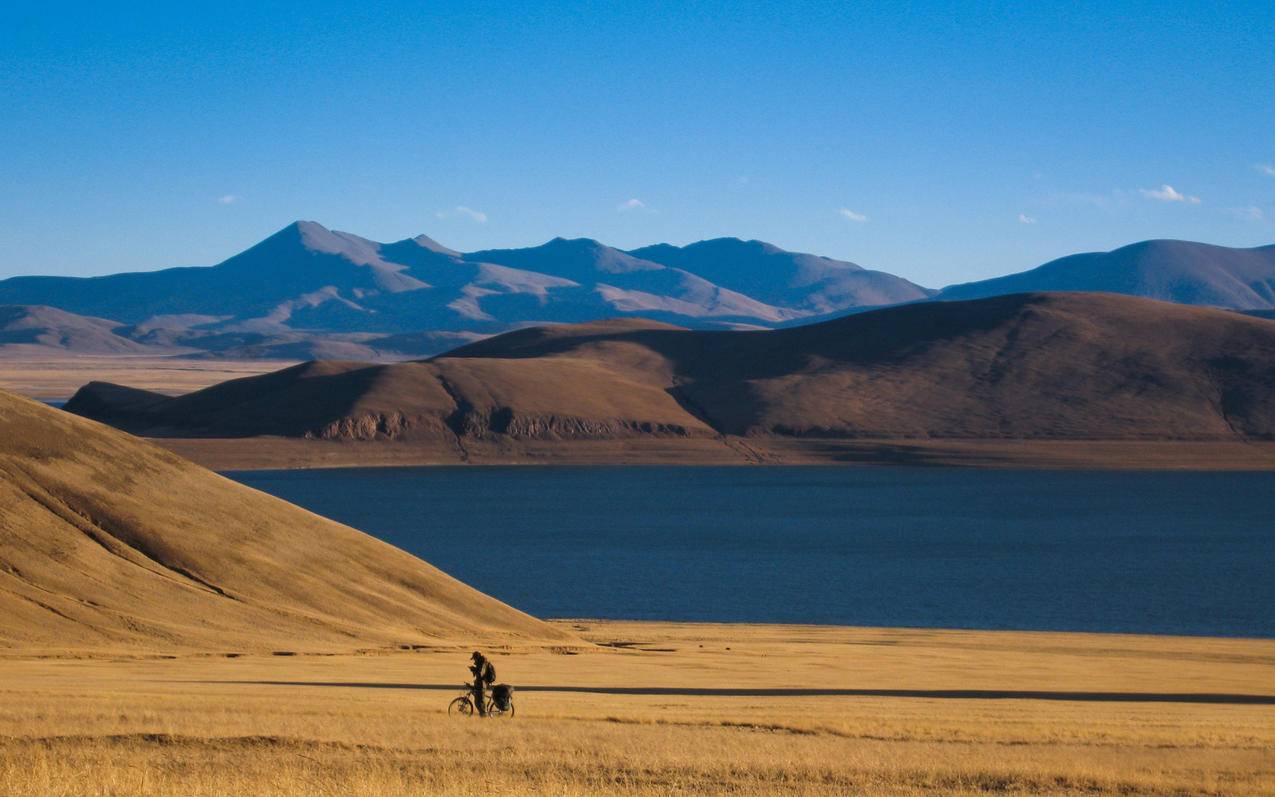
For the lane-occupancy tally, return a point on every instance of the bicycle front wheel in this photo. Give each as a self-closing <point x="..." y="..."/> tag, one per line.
<point x="460" y="707"/>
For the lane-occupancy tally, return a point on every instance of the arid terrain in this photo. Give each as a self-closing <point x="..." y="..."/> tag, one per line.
<point x="1032" y="380"/>
<point x="60" y="377"/>
<point x="659" y="709"/>
<point x="166" y="631"/>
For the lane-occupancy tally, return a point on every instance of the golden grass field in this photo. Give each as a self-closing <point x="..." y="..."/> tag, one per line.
<point x="57" y="378"/>
<point x="660" y="709"/>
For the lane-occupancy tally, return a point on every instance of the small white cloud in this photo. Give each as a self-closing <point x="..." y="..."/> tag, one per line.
<point x="1250" y="213"/>
<point x="631" y="204"/>
<point x="847" y="213"/>
<point x="1167" y="193"/>
<point x="227" y="199"/>
<point x="1266" y="169"/>
<point x="1023" y="218"/>
<point x="461" y="210"/>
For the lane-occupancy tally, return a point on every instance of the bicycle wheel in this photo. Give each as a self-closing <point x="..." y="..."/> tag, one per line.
<point x="492" y="711"/>
<point x="460" y="707"/>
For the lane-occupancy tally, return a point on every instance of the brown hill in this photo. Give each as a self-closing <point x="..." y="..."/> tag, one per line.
<point x="110" y="542"/>
<point x="445" y="399"/>
<point x="1051" y="366"/>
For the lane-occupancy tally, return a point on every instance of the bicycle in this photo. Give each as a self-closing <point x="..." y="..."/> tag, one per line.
<point x="463" y="706"/>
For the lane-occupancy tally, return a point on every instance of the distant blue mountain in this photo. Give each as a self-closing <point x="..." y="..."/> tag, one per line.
<point x="809" y="284"/>
<point x="310" y="291"/>
<point x="307" y="280"/>
<point x="1174" y="271"/>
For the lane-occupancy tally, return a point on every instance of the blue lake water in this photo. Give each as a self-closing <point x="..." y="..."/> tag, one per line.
<point x="1174" y="553"/>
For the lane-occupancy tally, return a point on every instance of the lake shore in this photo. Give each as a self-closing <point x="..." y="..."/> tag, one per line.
<point x="648" y="708"/>
<point x="282" y="453"/>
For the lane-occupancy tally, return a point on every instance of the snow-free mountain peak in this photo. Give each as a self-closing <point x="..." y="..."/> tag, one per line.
<point x="1178" y="271"/>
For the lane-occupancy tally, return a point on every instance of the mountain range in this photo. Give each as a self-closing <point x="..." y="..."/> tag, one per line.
<point x="308" y="292"/>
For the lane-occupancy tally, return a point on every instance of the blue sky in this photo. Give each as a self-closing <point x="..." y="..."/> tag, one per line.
<point x="942" y="142"/>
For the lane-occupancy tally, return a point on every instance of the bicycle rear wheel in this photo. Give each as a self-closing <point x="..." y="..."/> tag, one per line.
<point x="493" y="711"/>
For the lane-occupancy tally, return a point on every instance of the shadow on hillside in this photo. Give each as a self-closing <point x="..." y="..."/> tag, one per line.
<point x="940" y="694"/>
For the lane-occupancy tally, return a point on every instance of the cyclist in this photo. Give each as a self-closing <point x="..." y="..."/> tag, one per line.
<point x="484" y="673"/>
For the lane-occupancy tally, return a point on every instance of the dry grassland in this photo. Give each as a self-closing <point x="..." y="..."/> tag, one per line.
<point x="659" y="709"/>
<point x="57" y="378"/>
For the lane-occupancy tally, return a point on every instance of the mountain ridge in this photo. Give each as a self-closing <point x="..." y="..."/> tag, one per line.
<point x="308" y="291"/>
<point x="306" y="277"/>
<point x="1185" y="272"/>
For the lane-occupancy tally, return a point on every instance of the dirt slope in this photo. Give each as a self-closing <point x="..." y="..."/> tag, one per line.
<point x="109" y="542"/>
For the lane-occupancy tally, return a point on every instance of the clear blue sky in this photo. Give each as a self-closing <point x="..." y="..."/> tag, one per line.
<point x="939" y="142"/>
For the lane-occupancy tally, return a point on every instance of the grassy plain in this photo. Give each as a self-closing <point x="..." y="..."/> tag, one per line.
<point x="659" y="709"/>
<point x="57" y="378"/>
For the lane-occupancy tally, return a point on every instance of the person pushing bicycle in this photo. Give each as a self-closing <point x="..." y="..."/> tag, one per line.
<point x="484" y="674"/>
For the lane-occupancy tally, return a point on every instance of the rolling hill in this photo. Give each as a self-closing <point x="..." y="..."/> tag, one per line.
<point x="35" y="332"/>
<point x="1025" y="366"/>
<point x="1174" y="271"/>
<point x="40" y="330"/>
<point x="110" y="542"/>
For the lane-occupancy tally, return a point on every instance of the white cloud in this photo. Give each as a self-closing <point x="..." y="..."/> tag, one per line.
<point x="631" y="204"/>
<point x="1266" y="169"/>
<point x="1167" y="193"/>
<point x="847" y="213"/>
<point x="227" y="199"/>
<point x="1023" y="218"/>
<point x="1250" y="213"/>
<point x="461" y="210"/>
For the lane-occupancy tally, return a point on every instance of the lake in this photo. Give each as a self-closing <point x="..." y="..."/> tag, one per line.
<point x="1149" y="552"/>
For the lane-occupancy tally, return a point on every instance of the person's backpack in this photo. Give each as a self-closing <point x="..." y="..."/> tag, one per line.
<point x="489" y="672"/>
<point x="502" y="695"/>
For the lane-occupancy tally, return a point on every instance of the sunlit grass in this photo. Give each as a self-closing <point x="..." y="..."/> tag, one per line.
<point x="212" y="726"/>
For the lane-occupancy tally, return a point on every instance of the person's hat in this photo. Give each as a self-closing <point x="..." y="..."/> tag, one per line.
<point x="476" y="656"/>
